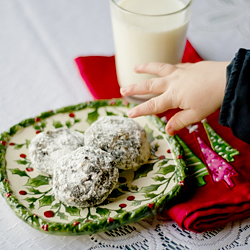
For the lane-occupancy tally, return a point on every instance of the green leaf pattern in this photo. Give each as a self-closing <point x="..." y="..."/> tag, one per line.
<point x="92" y="117"/>
<point x="195" y="167"/>
<point x="18" y="172"/>
<point x="38" y="181"/>
<point x="220" y="146"/>
<point x="40" y="125"/>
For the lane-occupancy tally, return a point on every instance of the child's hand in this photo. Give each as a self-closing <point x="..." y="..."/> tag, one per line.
<point x="197" y="89"/>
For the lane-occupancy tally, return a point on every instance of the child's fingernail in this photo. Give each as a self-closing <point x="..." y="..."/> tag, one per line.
<point x="123" y="90"/>
<point x="136" y="67"/>
<point x="170" y="131"/>
<point x="130" y="113"/>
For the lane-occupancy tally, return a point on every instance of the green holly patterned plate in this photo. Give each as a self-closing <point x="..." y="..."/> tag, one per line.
<point x="138" y="194"/>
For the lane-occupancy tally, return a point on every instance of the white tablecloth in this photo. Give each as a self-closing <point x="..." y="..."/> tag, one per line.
<point x="39" y="40"/>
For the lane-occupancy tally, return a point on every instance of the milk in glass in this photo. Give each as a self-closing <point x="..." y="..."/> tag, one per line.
<point x="147" y="31"/>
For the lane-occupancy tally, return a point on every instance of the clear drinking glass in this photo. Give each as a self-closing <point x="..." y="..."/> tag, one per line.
<point x="147" y="31"/>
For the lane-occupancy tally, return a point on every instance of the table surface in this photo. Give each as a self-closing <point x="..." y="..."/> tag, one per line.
<point x="38" y="43"/>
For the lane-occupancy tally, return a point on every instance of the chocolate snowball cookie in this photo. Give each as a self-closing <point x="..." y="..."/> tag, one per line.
<point x="85" y="177"/>
<point x="47" y="147"/>
<point x="122" y="137"/>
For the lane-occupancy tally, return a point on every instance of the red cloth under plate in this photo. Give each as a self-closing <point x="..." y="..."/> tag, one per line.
<point x="201" y="208"/>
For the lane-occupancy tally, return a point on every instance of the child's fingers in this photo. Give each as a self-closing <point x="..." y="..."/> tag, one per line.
<point x="153" y="86"/>
<point x="181" y="120"/>
<point x="155" y="105"/>
<point x="183" y="65"/>
<point x="155" y="68"/>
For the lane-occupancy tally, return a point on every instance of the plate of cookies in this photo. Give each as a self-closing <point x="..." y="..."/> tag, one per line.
<point x="88" y="168"/>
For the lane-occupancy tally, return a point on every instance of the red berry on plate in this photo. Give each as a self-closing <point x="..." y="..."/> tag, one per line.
<point x="179" y="157"/>
<point x="151" y="205"/>
<point x="22" y="192"/>
<point x="71" y="115"/>
<point x="169" y="151"/>
<point x="11" y="143"/>
<point x="123" y="205"/>
<point x="29" y="169"/>
<point x="130" y="198"/>
<point x="3" y="143"/>
<point x="7" y="181"/>
<point x="23" y="155"/>
<point x="181" y="183"/>
<point x="110" y="219"/>
<point x="45" y="227"/>
<point x="8" y="195"/>
<point x="76" y="223"/>
<point x="161" y="157"/>
<point x="48" y="214"/>
<point x="37" y="119"/>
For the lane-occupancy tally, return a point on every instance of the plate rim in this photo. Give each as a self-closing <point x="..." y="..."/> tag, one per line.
<point x="102" y="224"/>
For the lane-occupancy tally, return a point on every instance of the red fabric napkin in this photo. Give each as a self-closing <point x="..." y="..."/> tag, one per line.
<point x="215" y="204"/>
<point x="201" y="208"/>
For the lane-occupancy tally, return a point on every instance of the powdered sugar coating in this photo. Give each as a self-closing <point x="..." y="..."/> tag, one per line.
<point x="47" y="147"/>
<point x="124" y="138"/>
<point x="85" y="177"/>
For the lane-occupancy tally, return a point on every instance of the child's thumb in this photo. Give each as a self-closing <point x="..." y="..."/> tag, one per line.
<point x="180" y="120"/>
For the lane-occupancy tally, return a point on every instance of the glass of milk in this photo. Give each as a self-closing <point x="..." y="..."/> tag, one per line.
<point x="147" y="31"/>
